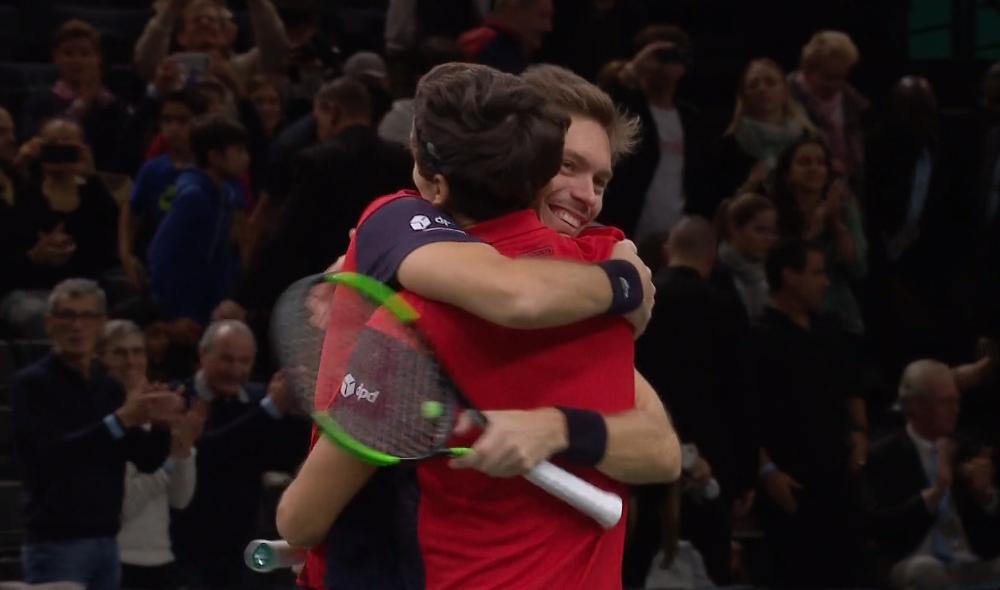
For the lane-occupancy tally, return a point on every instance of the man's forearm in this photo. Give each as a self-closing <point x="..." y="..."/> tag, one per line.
<point x="642" y="444"/>
<point x="154" y="43"/>
<point x="525" y="293"/>
<point x="269" y="35"/>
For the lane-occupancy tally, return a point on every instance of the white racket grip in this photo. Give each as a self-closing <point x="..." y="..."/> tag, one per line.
<point x="262" y="555"/>
<point x="604" y="507"/>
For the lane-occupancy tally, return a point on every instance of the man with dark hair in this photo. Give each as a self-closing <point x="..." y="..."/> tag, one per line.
<point x="193" y="262"/>
<point x="650" y="189"/>
<point x="695" y="354"/>
<point x="813" y="427"/>
<point x="510" y="35"/>
<point x="74" y="430"/>
<point x="79" y="93"/>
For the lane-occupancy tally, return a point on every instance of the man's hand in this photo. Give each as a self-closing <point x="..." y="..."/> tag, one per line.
<point x="280" y="392"/>
<point x="932" y="495"/>
<point x="53" y="248"/>
<point x="320" y="296"/>
<point x="639" y="318"/>
<point x="514" y="441"/>
<point x="168" y="77"/>
<point x="150" y="405"/>
<point x="781" y="488"/>
<point x="979" y="475"/>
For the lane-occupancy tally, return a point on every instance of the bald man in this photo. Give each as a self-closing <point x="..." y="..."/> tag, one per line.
<point x="692" y="353"/>
<point x="248" y="432"/>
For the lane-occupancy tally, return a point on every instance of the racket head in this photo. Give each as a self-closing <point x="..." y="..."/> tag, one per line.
<point x="362" y="369"/>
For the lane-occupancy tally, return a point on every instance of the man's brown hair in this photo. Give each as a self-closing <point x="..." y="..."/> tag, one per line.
<point x="489" y="134"/>
<point x="573" y="95"/>
<point x="74" y="29"/>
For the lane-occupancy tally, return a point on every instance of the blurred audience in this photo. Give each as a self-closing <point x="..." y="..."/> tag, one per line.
<point x="835" y="107"/>
<point x="75" y="428"/>
<point x="815" y="204"/>
<point x="249" y="429"/>
<point x="648" y="192"/>
<point x="79" y="93"/>
<point x="813" y="428"/>
<point x="934" y="504"/>
<point x="510" y="35"/>
<point x="749" y="227"/>
<point x="63" y="223"/>
<point x="766" y="121"/>
<point x="205" y="32"/>
<point x="265" y="94"/>
<point x="144" y="538"/>
<point x="194" y="260"/>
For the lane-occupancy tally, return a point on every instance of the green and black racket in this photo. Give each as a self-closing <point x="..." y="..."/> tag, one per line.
<point x="357" y="362"/>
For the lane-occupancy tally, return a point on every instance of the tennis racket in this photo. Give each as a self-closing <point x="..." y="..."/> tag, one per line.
<point x="374" y="386"/>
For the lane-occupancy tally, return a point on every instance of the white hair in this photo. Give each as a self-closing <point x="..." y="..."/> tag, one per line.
<point x="74" y="289"/>
<point x="916" y="375"/>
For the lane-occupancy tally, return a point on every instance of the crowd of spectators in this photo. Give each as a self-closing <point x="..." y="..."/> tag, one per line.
<point x="827" y="263"/>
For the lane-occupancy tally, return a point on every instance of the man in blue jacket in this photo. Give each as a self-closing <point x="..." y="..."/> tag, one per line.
<point x="193" y="261"/>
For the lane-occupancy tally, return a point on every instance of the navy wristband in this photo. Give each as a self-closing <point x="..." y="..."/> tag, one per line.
<point x="626" y="286"/>
<point x="587" y="434"/>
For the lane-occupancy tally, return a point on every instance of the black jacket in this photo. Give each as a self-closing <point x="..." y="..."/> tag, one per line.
<point x="73" y="466"/>
<point x="898" y="517"/>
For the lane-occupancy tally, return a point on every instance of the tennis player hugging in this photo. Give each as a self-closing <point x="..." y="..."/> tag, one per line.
<point x="532" y="312"/>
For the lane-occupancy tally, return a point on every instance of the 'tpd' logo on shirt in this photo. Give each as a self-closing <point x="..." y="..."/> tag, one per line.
<point x="349" y="386"/>
<point x="422" y="222"/>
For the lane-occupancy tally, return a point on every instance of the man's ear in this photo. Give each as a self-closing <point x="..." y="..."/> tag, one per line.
<point x="441" y="191"/>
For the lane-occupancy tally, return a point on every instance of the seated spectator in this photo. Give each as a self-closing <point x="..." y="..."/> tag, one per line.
<point x="63" y="223"/>
<point x="356" y="166"/>
<point x="193" y="261"/>
<point x="510" y="35"/>
<point x="156" y="184"/>
<point x="206" y="27"/>
<point x="812" y="428"/>
<point x="397" y="124"/>
<point x="79" y="93"/>
<point x="834" y="106"/>
<point x="648" y="191"/>
<point x="269" y="103"/>
<point x="695" y="353"/>
<point x="144" y="539"/>
<point x="750" y="225"/>
<point x="766" y="120"/>
<point x="815" y="204"/>
<point x="934" y="510"/>
<point x="248" y="431"/>
<point x="75" y="428"/>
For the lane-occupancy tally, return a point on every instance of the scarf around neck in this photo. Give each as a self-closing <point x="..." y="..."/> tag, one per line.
<point x="764" y="141"/>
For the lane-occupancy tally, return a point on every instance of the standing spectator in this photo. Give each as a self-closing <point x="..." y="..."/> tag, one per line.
<point x="812" y="426"/>
<point x="369" y="68"/>
<point x="934" y="511"/>
<point x="766" y="120"/>
<point x="206" y="26"/>
<point x="63" y="223"/>
<point x="144" y="539"/>
<point x="356" y="166"/>
<point x="648" y="192"/>
<point x="245" y="435"/>
<point x="835" y="107"/>
<point x="267" y="99"/>
<point x="79" y="92"/>
<point x="750" y="225"/>
<point x="193" y="261"/>
<point x="815" y="204"/>
<point x="510" y="35"/>
<point x="75" y="428"/>
<point x="695" y="353"/>
<point x="156" y="184"/>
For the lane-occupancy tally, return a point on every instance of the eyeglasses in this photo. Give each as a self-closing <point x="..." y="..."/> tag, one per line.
<point x="69" y="316"/>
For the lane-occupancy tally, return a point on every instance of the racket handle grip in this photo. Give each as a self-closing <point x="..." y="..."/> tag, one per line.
<point x="262" y="555"/>
<point x="604" y="507"/>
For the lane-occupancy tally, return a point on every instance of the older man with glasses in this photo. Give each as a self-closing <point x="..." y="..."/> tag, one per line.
<point x="74" y="431"/>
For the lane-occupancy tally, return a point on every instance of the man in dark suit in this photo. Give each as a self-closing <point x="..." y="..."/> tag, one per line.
<point x="694" y="353"/>
<point x="335" y="182"/>
<point x="934" y="513"/>
<point x="248" y="431"/>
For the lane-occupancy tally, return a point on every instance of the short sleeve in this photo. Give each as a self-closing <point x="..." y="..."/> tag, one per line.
<point x="395" y="230"/>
